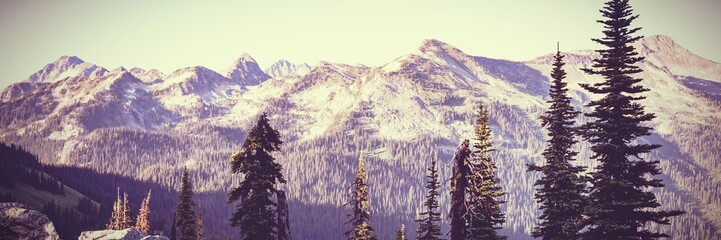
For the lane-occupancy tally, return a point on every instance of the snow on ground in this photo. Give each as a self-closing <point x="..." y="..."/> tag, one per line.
<point x="322" y="105"/>
<point x="68" y="131"/>
<point x="68" y="147"/>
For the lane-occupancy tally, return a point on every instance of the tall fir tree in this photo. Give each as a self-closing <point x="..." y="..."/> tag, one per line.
<point x="561" y="189"/>
<point x="283" y="218"/>
<point x="173" y="227"/>
<point x="620" y="203"/>
<point x="143" y="222"/>
<point x="200" y="224"/>
<point x="255" y="215"/>
<point x="359" y="202"/>
<point x="115" y="218"/>
<point x="185" y="216"/>
<point x="459" y="185"/>
<point x="127" y="217"/>
<point x="418" y="232"/>
<point x="429" y="227"/>
<point x="484" y="191"/>
<point x="401" y="233"/>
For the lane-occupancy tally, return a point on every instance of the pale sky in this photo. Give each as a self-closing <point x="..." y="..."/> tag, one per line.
<point x="168" y="35"/>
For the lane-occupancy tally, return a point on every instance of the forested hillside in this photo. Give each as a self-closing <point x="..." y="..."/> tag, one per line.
<point x="123" y="132"/>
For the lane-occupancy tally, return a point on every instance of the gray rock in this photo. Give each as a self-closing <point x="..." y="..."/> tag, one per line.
<point x="125" y="234"/>
<point x="155" y="237"/>
<point x="18" y="221"/>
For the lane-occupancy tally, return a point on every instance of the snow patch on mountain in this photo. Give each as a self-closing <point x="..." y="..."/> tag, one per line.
<point x="68" y="131"/>
<point x="283" y="68"/>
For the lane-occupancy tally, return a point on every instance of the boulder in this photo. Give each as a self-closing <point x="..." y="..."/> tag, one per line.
<point x="18" y="221"/>
<point x="125" y="234"/>
<point x="155" y="237"/>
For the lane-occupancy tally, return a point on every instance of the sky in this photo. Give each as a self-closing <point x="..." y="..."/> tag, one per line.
<point x="171" y="34"/>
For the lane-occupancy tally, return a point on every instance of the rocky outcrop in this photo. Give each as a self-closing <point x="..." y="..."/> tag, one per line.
<point x="18" y="221"/>
<point x="125" y="234"/>
<point x="155" y="237"/>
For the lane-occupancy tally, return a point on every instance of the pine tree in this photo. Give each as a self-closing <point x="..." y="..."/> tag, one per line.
<point x="201" y="225"/>
<point x="143" y="223"/>
<point x="418" y="232"/>
<point x="127" y="218"/>
<point x="173" y="231"/>
<point x="115" y="218"/>
<point x="185" y="216"/>
<point x="459" y="185"/>
<point x="561" y="188"/>
<point x="484" y="191"/>
<point x="620" y="203"/>
<point x="255" y="214"/>
<point x="359" y="203"/>
<point x="401" y="233"/>
<point x="429" y="227"/>
<point x="283" y="223"/>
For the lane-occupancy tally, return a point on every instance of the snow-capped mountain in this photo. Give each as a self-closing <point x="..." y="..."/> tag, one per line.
<point x="664" y="52"/>
<point x="401" y="113"/>
<point x="66" y="66"/>
<point x="246" y="71"/>
<point x="74" y="106"/>
<point x="196" y="91"/>
<point x="283" y="68"/>
<point x="148" y="76"/>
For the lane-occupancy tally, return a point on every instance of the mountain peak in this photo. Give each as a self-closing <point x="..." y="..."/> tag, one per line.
<point x="284" y="67"/>
<point x="69" y="60"/>
<point x="66" y="66"/>
<point x="120" y="69"/>
<point x="147" y="76"/>
<point x="244" y="58"/>
<point x="433" y="45"/>
<point x="282" y="62"/>
<point x="659" y="43"/>
<point x="665" y="51"/>
<point x="246" y="71"/>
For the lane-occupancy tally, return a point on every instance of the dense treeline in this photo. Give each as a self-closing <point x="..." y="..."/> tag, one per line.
<point x="88" y="182"/>
<point x="22" y="167"/>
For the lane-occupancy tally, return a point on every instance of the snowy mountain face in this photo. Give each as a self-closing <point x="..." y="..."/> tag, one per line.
<point x="66" y="66"/>
<point x="246" y="71"/>
<point x="74" y="106"/>
<point x="283" y="68"/>
<point x="401" y="114"/>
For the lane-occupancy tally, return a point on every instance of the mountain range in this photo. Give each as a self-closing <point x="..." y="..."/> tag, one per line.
<point x="147" y="125"/>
